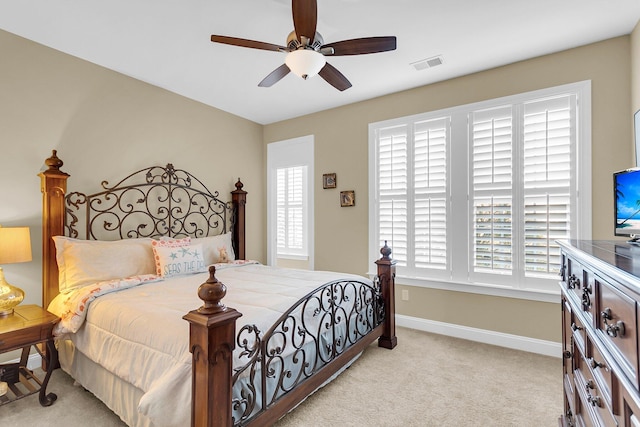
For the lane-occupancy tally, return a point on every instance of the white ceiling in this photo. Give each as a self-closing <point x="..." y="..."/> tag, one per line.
<point x="167" y="42"/>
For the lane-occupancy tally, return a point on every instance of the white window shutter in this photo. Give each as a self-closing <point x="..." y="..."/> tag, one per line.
<point x="290" y="210"/>
<point x="492" y="190"/>
<point x="393" y="175"/>
<point x="430" y="139"/>
<point x="478" y="194"/>
<point x="549" y="132"/>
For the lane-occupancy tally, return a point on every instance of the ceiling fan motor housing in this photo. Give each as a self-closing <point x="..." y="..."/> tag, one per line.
<point x="294" y="44"/>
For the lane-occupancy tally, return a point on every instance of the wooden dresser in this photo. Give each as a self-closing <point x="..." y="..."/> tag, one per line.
<point x="600" y="301"/>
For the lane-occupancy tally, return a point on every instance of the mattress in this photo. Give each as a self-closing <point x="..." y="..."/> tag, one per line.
<point x="137" y="334"/>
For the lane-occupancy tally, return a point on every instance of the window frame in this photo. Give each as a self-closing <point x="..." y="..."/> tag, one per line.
<point x="284" y="154"/>
<point x="459" y="192"/>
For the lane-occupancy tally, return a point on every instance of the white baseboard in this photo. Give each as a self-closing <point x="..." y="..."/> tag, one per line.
<point x="517" y="342"/>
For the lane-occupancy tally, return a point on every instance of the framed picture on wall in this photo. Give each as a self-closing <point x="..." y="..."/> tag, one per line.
<point x="329" y="180"/>
<point x="347" y="198"/>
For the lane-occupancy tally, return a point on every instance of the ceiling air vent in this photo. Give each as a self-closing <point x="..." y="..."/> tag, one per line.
<point x="428" y="63"/>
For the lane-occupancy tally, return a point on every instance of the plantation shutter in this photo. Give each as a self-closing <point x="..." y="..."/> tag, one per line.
<point x="412" y="192"/>
<point x="393" y="190"/>
<point x="548" y="139"/>
<point x="290" y="210"/>
<point x="430" y="194"/>
<point x="477" y="195"/>
<point x="491" y="190"/>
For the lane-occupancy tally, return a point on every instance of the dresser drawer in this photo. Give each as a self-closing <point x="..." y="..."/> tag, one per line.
<point x="574" y="278"/>
<point x="579" y="333"/>
<point x="602" y="374"/>
<point x="595" y="408"/>
<point x="617" y="326"/>
<point x="631" y="410"/>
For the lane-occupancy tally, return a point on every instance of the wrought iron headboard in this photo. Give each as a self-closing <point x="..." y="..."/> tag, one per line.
<point x="152" y="202"/>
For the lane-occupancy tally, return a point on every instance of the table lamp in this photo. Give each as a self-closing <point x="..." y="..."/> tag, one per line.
<point x="15" y="246"/>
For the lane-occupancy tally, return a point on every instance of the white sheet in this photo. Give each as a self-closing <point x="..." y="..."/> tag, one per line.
<point x="139" y="334"/>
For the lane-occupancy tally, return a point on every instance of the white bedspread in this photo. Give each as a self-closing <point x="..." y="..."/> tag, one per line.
<point x="138" y="333"/>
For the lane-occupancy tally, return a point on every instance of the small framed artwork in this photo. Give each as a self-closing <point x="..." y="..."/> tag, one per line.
<point x="329" y="180"/>
<point x="347" y="198"/>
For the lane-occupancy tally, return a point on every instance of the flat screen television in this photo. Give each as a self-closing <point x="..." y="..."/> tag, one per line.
<point x="626" y="190"/>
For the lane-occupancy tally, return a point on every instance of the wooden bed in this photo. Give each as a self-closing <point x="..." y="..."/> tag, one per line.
<point x="213" y="335"/>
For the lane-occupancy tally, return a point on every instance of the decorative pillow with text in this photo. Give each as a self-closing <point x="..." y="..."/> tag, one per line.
<point x="179" y="260"/>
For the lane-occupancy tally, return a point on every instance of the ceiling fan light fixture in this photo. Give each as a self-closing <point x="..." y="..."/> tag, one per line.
<point x="305" y="62"/>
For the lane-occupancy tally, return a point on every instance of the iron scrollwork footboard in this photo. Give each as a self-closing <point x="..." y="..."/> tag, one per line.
<point x="312" y="333"/>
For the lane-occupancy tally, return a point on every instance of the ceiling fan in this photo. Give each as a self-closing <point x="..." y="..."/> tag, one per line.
<point x="306" y="49"/>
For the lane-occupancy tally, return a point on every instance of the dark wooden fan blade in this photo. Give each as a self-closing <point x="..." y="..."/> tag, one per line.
<point x="305" y="18"/>
<point x="361" y="46"/>
<point x="275" y="76"/>
<point x="334" y="77"/>
<point x="247" y="43"/>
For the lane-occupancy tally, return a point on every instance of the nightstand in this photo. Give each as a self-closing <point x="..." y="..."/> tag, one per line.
<point x="29" y="326"/>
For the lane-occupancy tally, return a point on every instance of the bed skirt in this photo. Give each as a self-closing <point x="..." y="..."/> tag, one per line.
<point x="118" y="395"/>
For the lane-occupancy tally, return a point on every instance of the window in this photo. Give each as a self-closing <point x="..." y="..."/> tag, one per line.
<point x="290" y="202"/>
<point x="291" y="211"/>
<point x="474" y="197"/>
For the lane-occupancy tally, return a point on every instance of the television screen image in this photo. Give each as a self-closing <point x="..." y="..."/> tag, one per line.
<point x="626" y="187"/>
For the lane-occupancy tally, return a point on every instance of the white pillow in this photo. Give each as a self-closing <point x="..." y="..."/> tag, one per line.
<point x="215" y="247"/>
<point x="83" y="262"/>
<point x="179" y="260"/>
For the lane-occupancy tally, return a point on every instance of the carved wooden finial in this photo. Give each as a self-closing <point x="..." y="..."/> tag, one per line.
<point x="239" y="185"/>
<point x="385" y="251"/>
<point x="211" y="292"/>
<point x="54" y="162"/>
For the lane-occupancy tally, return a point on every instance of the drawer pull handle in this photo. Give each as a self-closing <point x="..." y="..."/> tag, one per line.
<point x="586" y="299"/>
<point x="589" y="385"/>
<point x="575" y="327"/>
<point x="567" y="354"/>
<point x="594" y="400"/>
<point x="612" y="329"/>
<point x="573" y="282"/>
<point x="595" y="364"/>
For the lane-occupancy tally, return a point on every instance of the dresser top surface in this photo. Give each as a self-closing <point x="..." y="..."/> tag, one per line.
<point x="619" y="255"/>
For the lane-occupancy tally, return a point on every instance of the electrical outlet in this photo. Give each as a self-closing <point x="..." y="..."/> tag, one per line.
<point x="405" y="295"/>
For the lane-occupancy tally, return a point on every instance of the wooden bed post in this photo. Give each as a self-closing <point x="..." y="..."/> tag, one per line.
<point x="239" y="201"/>
<point x="212" y="335"/>
<point x="387" y="276"/>
<point x="53" y="184"/>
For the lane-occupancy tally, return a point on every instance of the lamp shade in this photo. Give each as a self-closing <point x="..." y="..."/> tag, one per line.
<point x="305" y="62"/>
<point x="15" y="245"/>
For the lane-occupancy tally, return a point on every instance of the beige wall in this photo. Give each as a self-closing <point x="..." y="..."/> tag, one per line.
<point x="341" y="144"/>
<point x="635" y="69"/>
<point x="105" y="125"/>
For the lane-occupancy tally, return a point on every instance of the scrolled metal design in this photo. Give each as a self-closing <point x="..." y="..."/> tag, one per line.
<point x="152" y="202"/>
<point x="312" y="333"/>
<point x="249" y="344"/>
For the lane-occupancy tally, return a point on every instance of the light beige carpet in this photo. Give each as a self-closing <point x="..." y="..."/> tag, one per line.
<point x="427" y="380"/>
